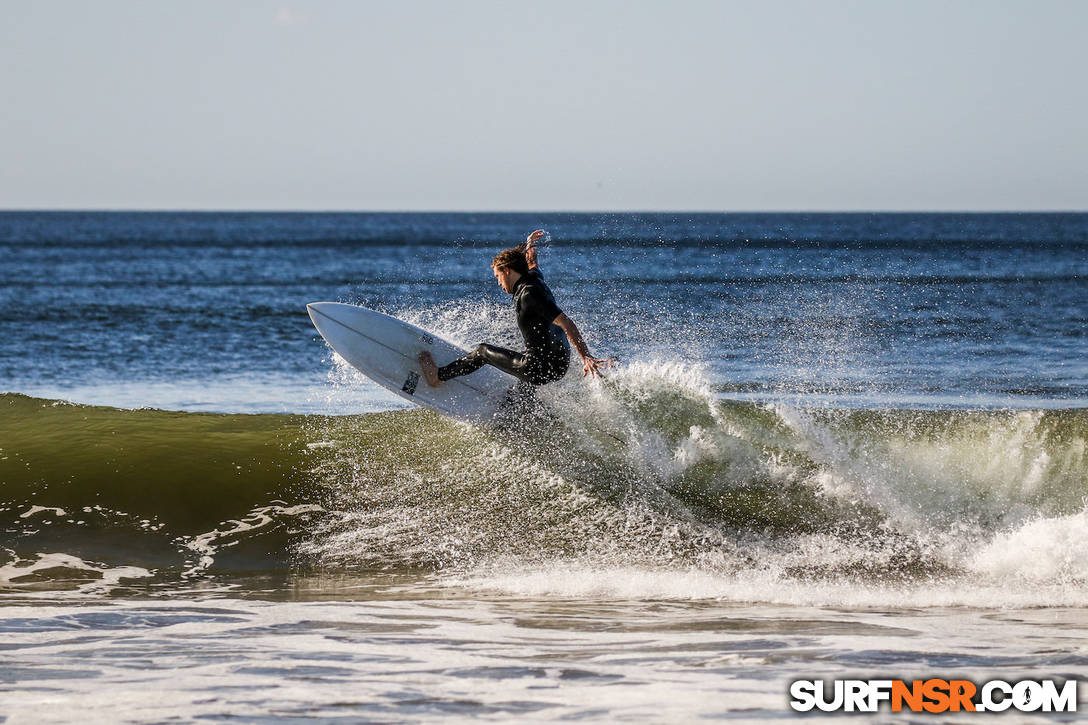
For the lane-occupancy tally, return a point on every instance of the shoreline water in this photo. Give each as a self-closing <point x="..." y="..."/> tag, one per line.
<point x="381" y="650"/>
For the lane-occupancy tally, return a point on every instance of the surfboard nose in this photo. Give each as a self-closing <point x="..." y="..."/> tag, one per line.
<point x="320" y="312"/>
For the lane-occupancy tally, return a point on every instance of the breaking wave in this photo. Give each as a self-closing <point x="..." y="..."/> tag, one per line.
<point x="644" y="485"/>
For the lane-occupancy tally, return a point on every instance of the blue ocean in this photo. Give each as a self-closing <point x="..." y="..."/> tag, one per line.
<point x="834" y="445"/>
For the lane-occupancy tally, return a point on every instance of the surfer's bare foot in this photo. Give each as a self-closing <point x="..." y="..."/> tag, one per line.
<point x="430" y="369"/>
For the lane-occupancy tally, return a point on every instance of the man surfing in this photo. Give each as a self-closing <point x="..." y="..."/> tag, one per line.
<point x="543" y="325"/>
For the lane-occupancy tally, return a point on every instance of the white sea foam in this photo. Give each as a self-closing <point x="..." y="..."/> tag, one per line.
<point x="64" y="571"/>
<point x="579" y="580"/>
<point x="34" y="510"/>
<point x="208" y="544"/>
<point x="1041" y="551"/>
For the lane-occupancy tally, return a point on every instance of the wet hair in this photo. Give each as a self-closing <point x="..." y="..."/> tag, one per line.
<point x="513" y="258"/>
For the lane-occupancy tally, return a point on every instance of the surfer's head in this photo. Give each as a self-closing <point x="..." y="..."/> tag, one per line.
<point x="508" y="265"/>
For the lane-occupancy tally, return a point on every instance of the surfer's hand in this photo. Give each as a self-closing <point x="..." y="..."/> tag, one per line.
<point x="591" y="366"/>
<point x="535" y="237"/>
<point x="529" y="245"/>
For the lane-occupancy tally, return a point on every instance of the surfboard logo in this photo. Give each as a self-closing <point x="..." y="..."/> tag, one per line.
<point x="427" y="339"/>
<point x="410" y="383"/>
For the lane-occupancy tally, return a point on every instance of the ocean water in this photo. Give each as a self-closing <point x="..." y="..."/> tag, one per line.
<point x="835" y="446"/>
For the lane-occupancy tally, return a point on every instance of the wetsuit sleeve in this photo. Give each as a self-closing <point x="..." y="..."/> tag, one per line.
<point x="538" y="304"/>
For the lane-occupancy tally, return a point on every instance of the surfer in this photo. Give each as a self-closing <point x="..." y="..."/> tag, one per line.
<point x="543" y="325"/>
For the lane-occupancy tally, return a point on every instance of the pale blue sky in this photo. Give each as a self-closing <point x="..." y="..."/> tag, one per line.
<point x="726" y="106"/>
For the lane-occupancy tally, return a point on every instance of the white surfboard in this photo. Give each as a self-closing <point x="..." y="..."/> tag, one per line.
<point x="386" y="350"/>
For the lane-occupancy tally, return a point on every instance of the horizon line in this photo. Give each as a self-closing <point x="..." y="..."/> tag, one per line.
<point x="243" y="210"/>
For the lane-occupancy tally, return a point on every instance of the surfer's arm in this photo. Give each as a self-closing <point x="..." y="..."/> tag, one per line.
<point x="530" y="253"/>
<point x="590" y="365"/>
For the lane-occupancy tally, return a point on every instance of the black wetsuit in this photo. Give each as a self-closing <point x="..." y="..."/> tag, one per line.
<point x="547" y="353"/>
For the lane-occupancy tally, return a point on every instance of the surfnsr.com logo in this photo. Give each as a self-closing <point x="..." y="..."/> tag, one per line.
<point x="934" y="695"/>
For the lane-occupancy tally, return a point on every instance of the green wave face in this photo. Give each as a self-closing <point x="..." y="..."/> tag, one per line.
<point x="187" y="469"/>
<point x="136" y="487"/>
<point x="647" y="469"/>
